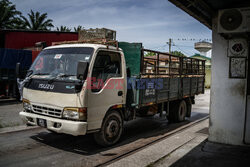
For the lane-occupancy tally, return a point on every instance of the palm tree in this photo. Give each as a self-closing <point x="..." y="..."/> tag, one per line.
<point x="9" y="16"/>
<point x="63" y="29"/>
<point x="78" y="28"/>
<point x="37" y="21"/>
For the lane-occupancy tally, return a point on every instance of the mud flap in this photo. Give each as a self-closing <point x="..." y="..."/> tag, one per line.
<point x="189" y="106"/>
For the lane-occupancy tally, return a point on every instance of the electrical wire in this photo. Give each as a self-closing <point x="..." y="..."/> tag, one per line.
<point x="185" y="52"/>
<point x="192" y="39"/>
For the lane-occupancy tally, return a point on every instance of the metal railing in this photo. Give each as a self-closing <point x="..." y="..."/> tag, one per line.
<point x="168" y="65"/>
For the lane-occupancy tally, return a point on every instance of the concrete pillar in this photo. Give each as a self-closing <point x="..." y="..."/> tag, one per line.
<point x="227" y="105"/>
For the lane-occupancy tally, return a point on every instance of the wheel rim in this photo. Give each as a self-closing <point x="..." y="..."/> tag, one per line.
<point x="182" y="112"/>
<point x="112" y="129"/>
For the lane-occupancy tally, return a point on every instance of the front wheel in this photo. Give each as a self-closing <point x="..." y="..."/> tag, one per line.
<point x="111" y="129"/>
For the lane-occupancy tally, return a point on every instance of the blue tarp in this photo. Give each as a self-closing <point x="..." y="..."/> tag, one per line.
<point x="9" y="58"/>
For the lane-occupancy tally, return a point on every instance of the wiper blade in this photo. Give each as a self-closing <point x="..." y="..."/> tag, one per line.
<point x="65" y="75"/>
<point x="29" y="73"/>
<point x="41" y="73"/>
<point x="59" y="76"/>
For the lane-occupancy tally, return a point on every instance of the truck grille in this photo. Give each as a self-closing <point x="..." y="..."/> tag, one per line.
<point x="47" y="111"/>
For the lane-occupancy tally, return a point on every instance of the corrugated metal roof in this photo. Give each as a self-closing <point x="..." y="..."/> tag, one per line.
<point x="203" y="57"/>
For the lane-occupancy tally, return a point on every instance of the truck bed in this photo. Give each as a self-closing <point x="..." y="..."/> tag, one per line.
<point x="160" y="77"/>
<point x="173" y="89"/>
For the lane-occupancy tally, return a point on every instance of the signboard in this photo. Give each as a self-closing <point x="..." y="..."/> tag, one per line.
<point x="237" y="67"/>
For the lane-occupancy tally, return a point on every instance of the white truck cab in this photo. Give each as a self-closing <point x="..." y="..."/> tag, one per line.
<point x="55" y="98"/>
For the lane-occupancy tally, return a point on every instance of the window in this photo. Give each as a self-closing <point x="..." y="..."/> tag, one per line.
<point x="61" y="62"/>
<point x="107" y="65"/>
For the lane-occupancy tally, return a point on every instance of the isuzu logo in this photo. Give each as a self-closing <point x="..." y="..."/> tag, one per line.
<point x="46" y="86"/>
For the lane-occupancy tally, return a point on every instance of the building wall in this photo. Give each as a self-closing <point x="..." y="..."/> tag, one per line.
<point x="227" y="105"/>
<point x="20" y="40"/>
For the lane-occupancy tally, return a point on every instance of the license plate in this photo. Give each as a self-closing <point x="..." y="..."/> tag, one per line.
<point x="41" y="122"/>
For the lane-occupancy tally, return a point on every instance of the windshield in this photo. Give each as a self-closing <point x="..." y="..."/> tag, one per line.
<point x="60" y="63"/>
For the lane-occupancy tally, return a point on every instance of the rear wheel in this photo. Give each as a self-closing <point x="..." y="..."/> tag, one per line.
<point x="111" y="129"/>
<point x="178" y="111"/>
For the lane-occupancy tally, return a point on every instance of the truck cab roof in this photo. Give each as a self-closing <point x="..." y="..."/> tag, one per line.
<point x="95" y="46"/>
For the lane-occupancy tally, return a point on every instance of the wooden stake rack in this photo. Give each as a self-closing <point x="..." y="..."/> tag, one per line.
<point x="102" y="41"/>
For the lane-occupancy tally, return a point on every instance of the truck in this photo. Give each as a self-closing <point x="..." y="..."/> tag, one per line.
<point x="82" y="88"/>
<point x="8" y="60"/>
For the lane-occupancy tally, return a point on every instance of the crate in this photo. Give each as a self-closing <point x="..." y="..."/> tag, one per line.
<point x="98" y="33"/>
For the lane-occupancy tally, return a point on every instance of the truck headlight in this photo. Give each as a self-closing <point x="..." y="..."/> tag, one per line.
<point x="75" y="113"/>
<point x="26" y="104"/>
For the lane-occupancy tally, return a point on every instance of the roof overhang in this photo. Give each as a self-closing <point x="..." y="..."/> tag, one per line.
<point x="205" y="10"/>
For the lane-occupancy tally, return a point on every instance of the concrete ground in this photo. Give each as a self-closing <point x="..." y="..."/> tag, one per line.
<point x="38" y="147"/>
<point x="207" y="154"/>
<point x="9" y="114"/>
<point x="145" y="142"/>
<point x="167" y="151"/>
<point x="199" y="152"/>
<point x="189" y="148"/>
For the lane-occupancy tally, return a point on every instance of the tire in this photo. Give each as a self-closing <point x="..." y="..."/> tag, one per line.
<point x="178" y="111"/>
<point x="111" y="129"/>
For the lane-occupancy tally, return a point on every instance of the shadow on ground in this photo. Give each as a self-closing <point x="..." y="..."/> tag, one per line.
<point x="137" y="133"/>
<point x="208" y="154"/>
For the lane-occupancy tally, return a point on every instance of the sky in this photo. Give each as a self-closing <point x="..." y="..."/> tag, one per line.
<point x="151" y="22"/>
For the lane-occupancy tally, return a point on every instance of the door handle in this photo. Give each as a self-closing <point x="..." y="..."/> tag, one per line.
<point x="120" y="93"/>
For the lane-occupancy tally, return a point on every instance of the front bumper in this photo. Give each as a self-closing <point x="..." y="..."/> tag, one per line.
<point x="67" y="126"/>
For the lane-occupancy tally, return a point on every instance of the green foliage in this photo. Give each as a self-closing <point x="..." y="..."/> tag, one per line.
<point x="178" y="53"/>
<point x="63" y="29"/>
<point x="9" y="16"/>
<point x="78" y="28"/>
<point x="37" y="21"/>
<point x="149" y="54"/>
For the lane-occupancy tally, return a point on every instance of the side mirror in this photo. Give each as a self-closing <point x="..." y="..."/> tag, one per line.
<point x="18" y="70"/>
<point x="82" y="70"/>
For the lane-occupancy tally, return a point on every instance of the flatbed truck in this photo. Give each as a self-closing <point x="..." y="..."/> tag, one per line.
<point x="83" y="88"/>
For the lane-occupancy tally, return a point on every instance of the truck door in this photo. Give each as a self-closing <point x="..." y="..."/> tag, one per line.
<point x="108" y="86"/>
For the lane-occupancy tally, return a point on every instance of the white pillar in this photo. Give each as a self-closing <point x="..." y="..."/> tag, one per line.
<point x="227" y="105"/>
